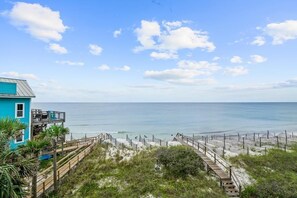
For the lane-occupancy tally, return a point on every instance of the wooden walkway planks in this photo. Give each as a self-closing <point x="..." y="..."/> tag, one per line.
<point x="226" y="176"/>
<point x="214" y="167"/>
<point x="45" y="184"/>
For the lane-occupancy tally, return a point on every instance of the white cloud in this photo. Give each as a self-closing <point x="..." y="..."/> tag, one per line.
<point x="173" y="37"/>
<point x="145" y="34"/>
<point x="186" y="73"/>
<point x="206" y="66"/>
<point x="172" y="24"/>
<point x="71" y="63"/>
<point x="259" y="41"/>
<point x="40" y="22"/>
<point x="216" y="58"/>
<point x="281" y="32"/>
<point x="236" y="59"/>
<point x="236" y="71"/>
<point x="95" y="49"/>
<point x="291" y="83"/>
<point x="185" y="38"/>
<point x="258" y="59"/>
<point x="103" y="67"/>
<point x="164" y="55"/>
<point x="13" y="74"/>
<point x="58" y="49"/>
<point x="117" y="33"/>
<point x="124" y="68"/>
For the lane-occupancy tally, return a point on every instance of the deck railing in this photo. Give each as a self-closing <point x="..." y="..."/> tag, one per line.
<point x="39" y="116"/>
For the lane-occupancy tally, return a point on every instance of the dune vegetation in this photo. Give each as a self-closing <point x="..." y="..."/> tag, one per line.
<point x="151" y="173"/>
<point x="275" y="173"/>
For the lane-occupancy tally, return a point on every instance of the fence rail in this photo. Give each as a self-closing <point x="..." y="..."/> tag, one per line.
<point x="46" y="181"/>
<point x="207" y="151"/>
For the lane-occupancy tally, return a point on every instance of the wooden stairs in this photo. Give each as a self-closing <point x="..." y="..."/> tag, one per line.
<point x="212" y="165"/>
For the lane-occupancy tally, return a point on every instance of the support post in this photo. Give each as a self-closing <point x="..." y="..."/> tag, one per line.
<point x="267" y="134"/>
<point x="277" y="142"/>
<point x="260" y="141"/>
<point x="55" y="165"/>
<point x="224" y="141"/>
<point x="243" y="142"/>
<point x="230" y="171"/>
<point x="286" y="137"/>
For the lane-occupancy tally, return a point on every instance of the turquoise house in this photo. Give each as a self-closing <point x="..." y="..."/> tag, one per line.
<point x="15" y="102"/>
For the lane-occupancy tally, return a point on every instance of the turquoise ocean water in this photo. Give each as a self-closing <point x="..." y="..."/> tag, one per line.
<point x="165" y="119"/>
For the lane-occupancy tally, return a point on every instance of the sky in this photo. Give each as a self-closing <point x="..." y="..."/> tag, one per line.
<point x="152" y="50"/>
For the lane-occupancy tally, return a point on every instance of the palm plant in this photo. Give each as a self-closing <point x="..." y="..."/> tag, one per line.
<point x="57" y="132"/>
<point x="33" y="149"/>
<point x="13" y="166"/>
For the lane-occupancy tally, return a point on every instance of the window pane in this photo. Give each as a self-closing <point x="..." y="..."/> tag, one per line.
<point x="19" y="138"/>
<point x="19" y="113"/>
<point x="20" y="106"/>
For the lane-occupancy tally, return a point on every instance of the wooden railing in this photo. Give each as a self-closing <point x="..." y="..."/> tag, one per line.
<point x="217" y="159"/>
<point x="39" y="116"/>
<point x="46" y="181"/>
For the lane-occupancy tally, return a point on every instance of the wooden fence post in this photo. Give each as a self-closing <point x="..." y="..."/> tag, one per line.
<point x="224" y="141"/>
<point x="260" y="141"/>
<point x="286" y="137"/>
<point x="43" y="187"/>
<point x="243" y="142"/>
<point x="277" y="142"/>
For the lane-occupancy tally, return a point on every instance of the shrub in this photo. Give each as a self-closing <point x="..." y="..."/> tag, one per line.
<point x="179" y="161"/>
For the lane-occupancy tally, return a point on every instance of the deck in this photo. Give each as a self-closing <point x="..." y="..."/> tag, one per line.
<point x="40" y="117"/>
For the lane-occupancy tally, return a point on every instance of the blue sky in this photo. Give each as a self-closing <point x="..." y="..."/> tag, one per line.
<point x="152" y="50"/>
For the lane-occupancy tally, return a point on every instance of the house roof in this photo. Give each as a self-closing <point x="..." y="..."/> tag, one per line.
<point x="23" y="88"/>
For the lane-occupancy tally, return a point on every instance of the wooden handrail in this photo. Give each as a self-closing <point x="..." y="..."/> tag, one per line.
<point x="216" y="158"/>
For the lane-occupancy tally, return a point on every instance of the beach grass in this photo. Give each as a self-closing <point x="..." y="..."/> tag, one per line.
<point x="275" y="173"/>
<point x="97" y="176"/>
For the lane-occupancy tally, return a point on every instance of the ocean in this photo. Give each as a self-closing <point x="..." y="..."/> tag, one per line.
<point x="166" y="119"/>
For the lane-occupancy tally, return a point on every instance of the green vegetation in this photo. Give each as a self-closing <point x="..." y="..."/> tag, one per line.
<point x="13" y="166"/>
<point x="275" y="173"/>
<point x="179" y="161"/>
<point x="97" y="176"/>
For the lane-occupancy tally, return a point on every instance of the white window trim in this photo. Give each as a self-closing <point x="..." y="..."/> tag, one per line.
<point x="23" y="138"/>
<point x="16" y="110"/>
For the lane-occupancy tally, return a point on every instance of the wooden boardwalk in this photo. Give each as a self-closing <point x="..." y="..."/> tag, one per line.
<point x="213" y="162"/>
<point x="45" y="182"/>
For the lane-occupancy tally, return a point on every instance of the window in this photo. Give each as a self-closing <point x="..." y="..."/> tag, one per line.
<point x="20" y="138"/>
<point x="20" y="107"/>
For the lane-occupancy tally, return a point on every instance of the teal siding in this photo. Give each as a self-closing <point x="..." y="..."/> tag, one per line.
<point x="8" y="109"/>
<point x="8" y="88"/>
